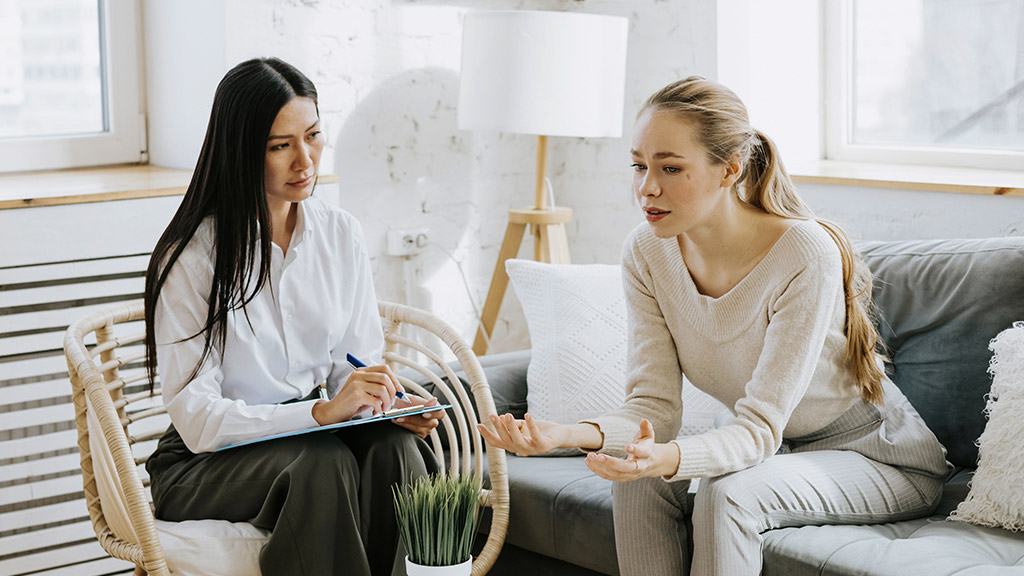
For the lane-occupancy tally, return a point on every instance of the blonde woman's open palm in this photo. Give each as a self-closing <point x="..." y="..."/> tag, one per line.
<point x="525" y="437"/>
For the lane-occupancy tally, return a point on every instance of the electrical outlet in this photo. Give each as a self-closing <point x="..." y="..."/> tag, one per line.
<point x="408" y="242"/>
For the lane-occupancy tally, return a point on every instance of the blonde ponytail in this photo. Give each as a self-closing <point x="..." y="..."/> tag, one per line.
<point x="862" y="339"/>
<point x="722" y="125"/>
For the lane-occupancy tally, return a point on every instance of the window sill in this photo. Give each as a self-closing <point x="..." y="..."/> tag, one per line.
<point x="908" y="177"/>
<point x="58" y="187"/>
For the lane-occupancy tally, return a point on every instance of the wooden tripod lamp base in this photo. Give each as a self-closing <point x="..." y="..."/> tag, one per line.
<point x="549" y="245"/>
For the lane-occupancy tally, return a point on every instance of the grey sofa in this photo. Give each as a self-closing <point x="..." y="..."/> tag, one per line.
<point x="939" y="304"/>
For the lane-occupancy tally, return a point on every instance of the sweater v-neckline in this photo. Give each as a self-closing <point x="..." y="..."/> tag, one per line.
<point x="752" y="277"/>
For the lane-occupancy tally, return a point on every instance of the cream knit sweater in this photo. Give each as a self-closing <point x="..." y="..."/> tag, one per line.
<point x="772" y="348"/>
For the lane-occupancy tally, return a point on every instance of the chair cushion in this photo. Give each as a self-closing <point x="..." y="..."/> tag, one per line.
<point x="201" y="547"/>
<point x="939" y="304"/>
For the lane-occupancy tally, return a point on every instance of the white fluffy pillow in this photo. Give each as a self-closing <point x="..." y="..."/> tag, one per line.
<point x="996" y="497"/>
<point x="576" y="315"/>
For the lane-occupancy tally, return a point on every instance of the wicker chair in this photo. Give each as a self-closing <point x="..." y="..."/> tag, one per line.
<point x="119" y="421"/>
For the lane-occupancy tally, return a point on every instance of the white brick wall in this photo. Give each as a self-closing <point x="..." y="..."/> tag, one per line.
<point x="388" y="71"/>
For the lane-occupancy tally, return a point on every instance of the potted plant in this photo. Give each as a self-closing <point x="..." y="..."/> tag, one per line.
<point x="438" y="518"/>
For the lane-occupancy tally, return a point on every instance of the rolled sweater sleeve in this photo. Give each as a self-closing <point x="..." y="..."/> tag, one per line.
<point x="204" y="418"/>
<point x="800" y="318"/>
<point x="654" y="378"/>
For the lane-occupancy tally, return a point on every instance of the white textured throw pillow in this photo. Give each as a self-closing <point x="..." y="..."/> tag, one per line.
<point x="996" y="497"/>
<point x="576" y="315"/>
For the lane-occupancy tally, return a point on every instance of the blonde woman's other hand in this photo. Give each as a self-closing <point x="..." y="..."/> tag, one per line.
<point x="644" y="459"/>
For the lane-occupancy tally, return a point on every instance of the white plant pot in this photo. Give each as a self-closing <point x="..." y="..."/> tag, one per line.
<point x="464" y="569"/>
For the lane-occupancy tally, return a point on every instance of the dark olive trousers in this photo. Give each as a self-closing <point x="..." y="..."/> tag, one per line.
<point x="325" y="497"/>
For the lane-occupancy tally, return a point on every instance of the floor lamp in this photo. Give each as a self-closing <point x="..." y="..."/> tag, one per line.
<point x="548" y="74"/>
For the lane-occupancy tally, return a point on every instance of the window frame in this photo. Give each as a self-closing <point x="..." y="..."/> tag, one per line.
<point x="837" y="48"/>
<point x="124" y="141"/>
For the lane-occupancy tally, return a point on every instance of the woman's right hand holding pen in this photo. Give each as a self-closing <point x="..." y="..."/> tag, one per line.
<point x="368" y="387"/>
<point x="528" y="437"/>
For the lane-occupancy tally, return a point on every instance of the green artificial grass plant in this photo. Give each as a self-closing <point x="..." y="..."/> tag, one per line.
<point x="438" y="517"/>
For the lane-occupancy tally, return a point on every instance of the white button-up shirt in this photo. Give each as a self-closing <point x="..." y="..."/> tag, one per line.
<point x="317" y="306"/>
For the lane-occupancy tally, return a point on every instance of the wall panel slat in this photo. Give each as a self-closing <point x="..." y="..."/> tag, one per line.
<point x="22" y="471"/>
<point x="44" y="524"/>
<point x="102" y="567"/>
<point x="61" y="271"/>
<point x="45" y="297"/>
<point x="71" y="560"/>
<point x="40" y="539"/>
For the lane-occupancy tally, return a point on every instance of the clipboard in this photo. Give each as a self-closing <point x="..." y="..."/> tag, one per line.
<point x="389" y="415"/>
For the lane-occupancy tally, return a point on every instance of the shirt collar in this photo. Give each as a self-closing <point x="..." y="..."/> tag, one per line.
<point x="303" y="224"/>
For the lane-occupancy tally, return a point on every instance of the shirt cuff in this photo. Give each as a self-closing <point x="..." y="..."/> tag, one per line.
<point x="693" y="459"/>
<point x="618" y="433"/>
<point x="295" y="416"/>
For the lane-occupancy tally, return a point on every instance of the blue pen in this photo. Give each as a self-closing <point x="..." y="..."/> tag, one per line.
<point x="357" y="364"/>
<point x="354" y="362"/>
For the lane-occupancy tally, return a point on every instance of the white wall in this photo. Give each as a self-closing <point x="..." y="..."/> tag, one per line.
<point x="888" y="214"/>
<point x="387" y="72"/>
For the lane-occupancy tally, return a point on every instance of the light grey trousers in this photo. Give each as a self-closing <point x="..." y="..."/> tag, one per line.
<point x="870" y="466"/>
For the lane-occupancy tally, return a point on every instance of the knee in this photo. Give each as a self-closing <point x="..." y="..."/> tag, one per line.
<point x="721" y="495"/>
<point x="399" y="450"/>
<point x="646" y="495"/>
<point x="630" y="493"/>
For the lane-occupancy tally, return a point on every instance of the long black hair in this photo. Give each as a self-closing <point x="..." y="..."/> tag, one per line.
<point x="228" y="184"/>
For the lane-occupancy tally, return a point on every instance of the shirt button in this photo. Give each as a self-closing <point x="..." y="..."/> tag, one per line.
<point x="289" y="318"/>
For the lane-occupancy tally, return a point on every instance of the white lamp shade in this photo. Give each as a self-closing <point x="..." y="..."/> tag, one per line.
<point x="545" y="73"/>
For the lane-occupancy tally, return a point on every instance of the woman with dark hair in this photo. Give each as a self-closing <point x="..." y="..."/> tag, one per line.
<point x="255" y="293"/>
<point x="735" y="283"/>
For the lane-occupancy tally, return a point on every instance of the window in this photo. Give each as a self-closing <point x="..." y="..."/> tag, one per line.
<point x="936" y="82"/>
<point x="69" y="84"/>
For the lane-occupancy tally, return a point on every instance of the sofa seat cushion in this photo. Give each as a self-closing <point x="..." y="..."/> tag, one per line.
<point x="930" y="546"/>
<point x="559" y="508"/>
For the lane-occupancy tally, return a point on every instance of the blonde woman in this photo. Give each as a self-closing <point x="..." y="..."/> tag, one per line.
<point x="733" y="282"/>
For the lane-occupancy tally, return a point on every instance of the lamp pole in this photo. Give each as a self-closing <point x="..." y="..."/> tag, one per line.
<point x="542" y="167"/>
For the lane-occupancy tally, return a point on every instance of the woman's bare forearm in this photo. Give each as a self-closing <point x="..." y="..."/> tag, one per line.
<point x="585" y="436"/>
